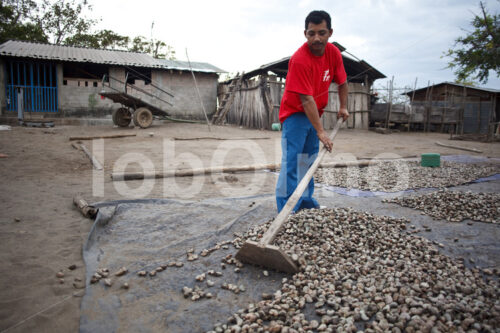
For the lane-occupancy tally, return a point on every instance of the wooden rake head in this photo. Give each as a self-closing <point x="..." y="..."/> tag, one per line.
<point x="269" y="256"/>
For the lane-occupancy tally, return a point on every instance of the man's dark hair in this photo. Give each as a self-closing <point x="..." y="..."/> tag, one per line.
<point x="318" y="16"/>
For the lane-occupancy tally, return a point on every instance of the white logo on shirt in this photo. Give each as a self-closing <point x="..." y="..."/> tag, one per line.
<point x="326" y="77"/>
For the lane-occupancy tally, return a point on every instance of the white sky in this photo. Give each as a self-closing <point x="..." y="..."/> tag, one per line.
<point x="404" y="38"/>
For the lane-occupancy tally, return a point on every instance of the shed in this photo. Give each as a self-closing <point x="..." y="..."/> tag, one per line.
<point x="65" y="81"/>
<point x="447" y="107"/>
<point x="258" y="97"/>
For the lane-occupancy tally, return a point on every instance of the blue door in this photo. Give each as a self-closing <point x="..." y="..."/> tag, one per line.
<point x="37" y="81"/>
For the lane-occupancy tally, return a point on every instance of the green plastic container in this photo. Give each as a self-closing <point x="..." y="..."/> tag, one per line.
<point x="276" y="126"/>
<point x="432" y="160"/>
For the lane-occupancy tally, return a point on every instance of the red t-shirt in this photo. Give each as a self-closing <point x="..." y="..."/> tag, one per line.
<point x="311" y="75"/>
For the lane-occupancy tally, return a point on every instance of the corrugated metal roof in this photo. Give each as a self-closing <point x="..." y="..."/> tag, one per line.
<point x="24" y="49"/>
<point x="496" y="91"/>
<point x="355" y="68"/>
<point x="184" y="65"/>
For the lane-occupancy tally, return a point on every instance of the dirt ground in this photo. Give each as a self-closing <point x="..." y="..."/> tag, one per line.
<point x="41" y="233"/>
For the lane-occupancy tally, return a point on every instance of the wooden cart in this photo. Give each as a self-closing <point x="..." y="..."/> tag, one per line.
<point x="138" y="105"/>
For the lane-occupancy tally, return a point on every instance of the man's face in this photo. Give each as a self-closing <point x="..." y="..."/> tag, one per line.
<point x="317" y="36"/>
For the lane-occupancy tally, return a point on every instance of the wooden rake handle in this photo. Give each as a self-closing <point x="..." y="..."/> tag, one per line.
<point x="279" y="221"/>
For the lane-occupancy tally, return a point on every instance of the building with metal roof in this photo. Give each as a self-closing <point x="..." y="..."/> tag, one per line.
<point x="34" y="50"/>
<point x="258" y="102"/>
<point x="446" y="107"/>
<point x="357" y="70"/>
<point x="452" y="85"/>
<point x="466" y="109"/>
<point x="58" y="81"/>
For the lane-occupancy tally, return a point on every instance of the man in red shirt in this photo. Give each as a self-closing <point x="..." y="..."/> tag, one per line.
<point x="310" y="72"/>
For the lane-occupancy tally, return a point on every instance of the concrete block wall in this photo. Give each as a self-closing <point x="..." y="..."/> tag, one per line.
<point x="75" y="99"/>
<point x="186" y="103"/>
<point x="117" y="73"/>
<point x="82" y="101"/>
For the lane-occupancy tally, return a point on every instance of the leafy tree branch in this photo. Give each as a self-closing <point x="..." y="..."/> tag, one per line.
<point x="64" y="23"/>
<point x="478" y="53"/>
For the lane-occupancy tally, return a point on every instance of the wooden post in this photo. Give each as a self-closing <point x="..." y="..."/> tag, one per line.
<point x="270" y="98"/>
<point x="368" y="99"/>
<point x="388" y="116"/>
<point x="493" y="107"/>
<point x="267" y="100"/>
<point x="455" y="118"/>
<point x="20" y="104"/>
<point x="489" y="118"/>
<point x="197" y="91"/>
<point x="387" y="106"/>
<point x="444" y="108"/>
<point x="453" y="105"/>
<point x="462" y="116"/>
<point x="430" y="109"/>
<point x="426" y="107"/>
<point x="353" y="108"/>
<point x="411" y="103"/>
<point x="479" y="117"/>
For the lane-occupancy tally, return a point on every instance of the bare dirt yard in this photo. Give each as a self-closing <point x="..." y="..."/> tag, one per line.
<point x="41" y="232"/>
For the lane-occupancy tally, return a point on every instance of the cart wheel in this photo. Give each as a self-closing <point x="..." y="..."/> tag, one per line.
<point x="121" y="117"/>
<point x="143" y="117"/>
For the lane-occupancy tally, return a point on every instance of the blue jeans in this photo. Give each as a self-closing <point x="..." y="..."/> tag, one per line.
<point x="299" y="147"/>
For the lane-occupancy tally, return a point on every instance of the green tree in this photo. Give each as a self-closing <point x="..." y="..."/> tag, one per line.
<point x="63" y="19"/>
<point x="155" y="48"/>
<point x="15" y="21"/>
<point x="112" y="40"/>
<point x="103" y="39"/>
<point x="479" y="51"/>
<point x="139" y="44"/>
<point x="64" y="23"/>
<point x="161" y="50"/>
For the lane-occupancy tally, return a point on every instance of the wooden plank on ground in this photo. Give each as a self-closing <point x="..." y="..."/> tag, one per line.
<point x="214" y="138"/>
<point x="229" y="169"/>
<point x="458" y="147"/>
<point x="97" y="165"/>
<point x="73" y="138"/>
